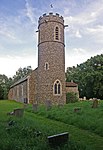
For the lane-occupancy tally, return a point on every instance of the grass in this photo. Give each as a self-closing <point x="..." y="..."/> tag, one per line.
<point x="23" y="135"/>
<point x="88" y="118"/>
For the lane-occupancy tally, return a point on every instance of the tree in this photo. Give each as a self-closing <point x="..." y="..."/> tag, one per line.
<point x="89" y="76"/>
<point x="3" y="86"/>
<point x="22" y="72"/>
<point x="1" y="92"/>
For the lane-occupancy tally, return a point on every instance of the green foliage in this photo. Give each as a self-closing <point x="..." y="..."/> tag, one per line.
<point x="71" y="98"/>
<point x="22" y="72"/>
<point x="5" y="83"/>
<point x="89" y="76"/>
<point x="87" y="119"/>
<point x="1" y="92"/>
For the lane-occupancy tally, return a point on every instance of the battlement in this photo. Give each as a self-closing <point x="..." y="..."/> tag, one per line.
<point x="51" y="16"/>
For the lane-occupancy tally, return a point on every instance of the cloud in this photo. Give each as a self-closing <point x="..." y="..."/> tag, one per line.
<point x="89" y="17"/>
<point x="17" y="33"/>
<point x="30" y="11"/>
<point x="76" y="56"/>
<point x="79" y="51"/>
<point x="5" y="30"/>
<point x="96" y="29"/>
<point x="78" y="35"/>
<point x="14" y="63"/>
<point x="7" y="34"/>
<point x="19" y="38"/>
<point x="96" y="33"/>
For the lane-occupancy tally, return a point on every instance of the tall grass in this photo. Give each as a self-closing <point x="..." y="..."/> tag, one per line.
<point x="23" y="135"/>
<point x="87" y="118"/>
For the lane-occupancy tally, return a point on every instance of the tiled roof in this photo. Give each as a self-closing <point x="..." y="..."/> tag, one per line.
<point x="71" y="84"/>
<point x="20" y="81"/>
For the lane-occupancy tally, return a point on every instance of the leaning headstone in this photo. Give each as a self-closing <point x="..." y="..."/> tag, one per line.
<point x="95" y="103"/>
<point x="35" y="107"/>
<point x="19" y="112"/>
<point x="48" y="104"/>
<point x="60" y="105"/>
<point x="25" y="106"/>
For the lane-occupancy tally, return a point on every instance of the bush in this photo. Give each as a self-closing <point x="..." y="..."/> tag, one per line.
<point x="71" y="98"/>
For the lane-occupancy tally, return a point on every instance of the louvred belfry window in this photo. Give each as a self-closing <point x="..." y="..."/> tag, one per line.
<point x="56" y="33"/>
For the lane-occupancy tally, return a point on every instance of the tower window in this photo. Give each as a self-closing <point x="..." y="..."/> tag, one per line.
<point x="57" y="90"/>
<point x="56" y="33"/>
<point x="46" y="67"/>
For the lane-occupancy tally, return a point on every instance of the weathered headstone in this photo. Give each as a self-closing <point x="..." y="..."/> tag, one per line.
<point x="35" y="107"/>
<point x="84" y="98"/>
<point x="95" y="103"/>
<point x="60" y="105"/>
<point x="58" y="139"/>
<point x="90" y="99"/>
<point x="48" y="104"/>
<point x="19" y="112"/>
<point x="25" y="106"/>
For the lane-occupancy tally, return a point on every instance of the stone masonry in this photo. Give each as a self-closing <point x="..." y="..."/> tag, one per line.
<point x="47" y="81"/>
<point x="52" y="51"/>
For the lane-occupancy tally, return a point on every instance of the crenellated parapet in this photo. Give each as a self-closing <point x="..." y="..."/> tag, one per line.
<point x="50" y="18"/>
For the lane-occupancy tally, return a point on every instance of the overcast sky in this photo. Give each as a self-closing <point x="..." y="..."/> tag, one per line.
<point x="19" y="21"/>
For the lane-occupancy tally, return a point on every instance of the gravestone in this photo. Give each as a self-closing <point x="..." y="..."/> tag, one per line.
<point x="35" y="107"/>
<point x="95" y="103"/>
<point x="60" y="105"/>
<point x="48" y="104"/>
<point x="19" y="112"/>
<point x="90" y="99"/>
<point x="25" y="106"/>
<point x="58" y="139"/>
<point x="84" y="98"/>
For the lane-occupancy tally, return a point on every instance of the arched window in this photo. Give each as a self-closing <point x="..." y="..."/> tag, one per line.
<point x="57" y="33"/>
<point x="57" y="90"/>
<point x="46" y="66"/>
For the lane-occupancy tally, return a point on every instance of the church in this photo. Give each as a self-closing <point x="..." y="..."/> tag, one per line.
<point x="47" y="81"/>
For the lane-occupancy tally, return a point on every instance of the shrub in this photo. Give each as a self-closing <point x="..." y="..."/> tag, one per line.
<point x="71" y="98"/>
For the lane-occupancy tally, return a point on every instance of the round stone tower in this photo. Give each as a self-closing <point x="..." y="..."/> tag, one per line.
<point x="51" y="59"/>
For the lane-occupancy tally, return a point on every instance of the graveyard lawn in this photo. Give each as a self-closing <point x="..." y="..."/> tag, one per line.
<point x="79" y="114"/>
<point x="30" y="132"/>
